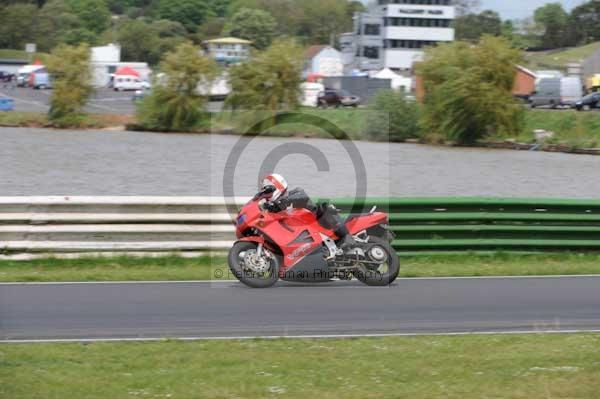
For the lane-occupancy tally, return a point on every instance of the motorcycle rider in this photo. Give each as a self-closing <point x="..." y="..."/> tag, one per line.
<point x="326" y="214"/>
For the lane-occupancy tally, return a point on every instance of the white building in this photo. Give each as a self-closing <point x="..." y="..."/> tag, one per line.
<point x="323" y="60"/>
<point x="228" y="50"/>
<point x="105" y="60"/>
<point x="393" y="33"/>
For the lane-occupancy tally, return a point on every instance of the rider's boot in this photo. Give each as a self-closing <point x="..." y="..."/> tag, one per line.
<point x="348" y="242"/>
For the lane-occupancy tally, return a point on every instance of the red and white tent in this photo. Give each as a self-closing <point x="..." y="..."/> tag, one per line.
<point x="127" y="71"/>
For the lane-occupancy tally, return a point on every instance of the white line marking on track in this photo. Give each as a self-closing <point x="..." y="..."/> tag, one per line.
<point x="316" y="285"/>
<point x="314" y="336"/>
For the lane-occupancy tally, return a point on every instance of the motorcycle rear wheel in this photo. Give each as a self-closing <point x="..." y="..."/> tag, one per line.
<point x="244" y="273"/>
<point x="377" y="278"/>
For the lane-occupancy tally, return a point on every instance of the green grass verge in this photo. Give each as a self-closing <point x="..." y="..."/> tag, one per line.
<point x="560" y="59"/>
<point x="572" y="128"/>
<point x="20" y="54"/>
<point x="175" y="268"/>
<point x="467" y="367"/>
<point x="23" y="119"/>
<point x="38" y="119"/>
<point x="351" y="121"/>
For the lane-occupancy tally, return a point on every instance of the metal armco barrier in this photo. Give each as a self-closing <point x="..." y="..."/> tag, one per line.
<point x="481" y="224"/>
<point x="182" y="224"/>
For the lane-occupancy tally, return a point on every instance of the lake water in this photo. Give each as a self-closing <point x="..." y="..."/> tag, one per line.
<point x="50" y="162"/>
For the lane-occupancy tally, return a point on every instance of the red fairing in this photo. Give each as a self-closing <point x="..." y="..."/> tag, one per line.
<point x="364" y="222"/>
<point x="294" y="233"/>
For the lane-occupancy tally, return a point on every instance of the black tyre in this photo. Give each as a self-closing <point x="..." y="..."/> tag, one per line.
<point x="383" y="274"/>
<point x="254" y="271"/>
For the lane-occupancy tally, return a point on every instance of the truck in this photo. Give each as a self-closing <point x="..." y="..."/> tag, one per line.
<point x="557" y="92"/>
<point x="593" y="83"/>
<point x="42" y="80"/>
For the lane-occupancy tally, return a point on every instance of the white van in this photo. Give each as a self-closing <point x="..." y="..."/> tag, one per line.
<point x="309" y="94"/>
<point x="122" y="83"/>
<point x="557" y="92"/>
<point x="571" y="90"/>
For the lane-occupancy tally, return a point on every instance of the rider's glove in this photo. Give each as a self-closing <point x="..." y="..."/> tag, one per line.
<point x="282" y="203"/>
<point x="277" y="205"/>
<point x="271" y="207"/>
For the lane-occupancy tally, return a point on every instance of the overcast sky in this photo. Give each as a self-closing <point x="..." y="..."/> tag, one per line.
<point x="511" y="9"/>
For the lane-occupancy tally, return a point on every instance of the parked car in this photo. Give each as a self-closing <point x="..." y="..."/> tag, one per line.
<point x="41" y="80"/>
<point x="6" y="77"/>
<point x="337" y="98"/>
<point x="557" y="92"/>
<point x="122" y="83"/>
<point x="588" y="102"/>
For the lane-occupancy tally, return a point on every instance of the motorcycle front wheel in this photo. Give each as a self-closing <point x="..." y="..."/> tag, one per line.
<point x="385" y="265"/>
<point x="252" y="269"/>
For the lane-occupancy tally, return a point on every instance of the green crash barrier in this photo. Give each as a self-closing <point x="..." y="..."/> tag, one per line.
<point x="487" y="224"/>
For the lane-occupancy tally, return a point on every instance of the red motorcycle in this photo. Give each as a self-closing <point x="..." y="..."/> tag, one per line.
<point x="292" y="245"/>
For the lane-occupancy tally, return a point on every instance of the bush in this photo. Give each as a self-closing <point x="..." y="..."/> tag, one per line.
<point x="70" y="70"/>
<point x="270" y="81"/>
<point x="395" y="115"/>
<point x="468" y="90"/>
<point x="176" y="104"/>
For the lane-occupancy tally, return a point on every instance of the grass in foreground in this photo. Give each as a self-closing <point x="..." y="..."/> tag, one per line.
<point x="173" y="268"/>
<point x="467" y="367"/>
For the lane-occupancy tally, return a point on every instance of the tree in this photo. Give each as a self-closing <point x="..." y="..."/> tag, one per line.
<point x="584" y="22"/>
<point x="472" y="26"/>
<point x="94" y="15"/>
<point x="400" y="117"/>
<point x="190" y="13"/>
<point x="464" y="7"/>
<point x="324" y="20"/>
<point x="212" y="28"/>
<point x="58" y="24"/>
<point x="312" y="21"/>
<point x="255" y="25"/>
<point x="270" y="81"/>
<point x="288" y="13"/>
<point x="468" y="90"/>
<point x="514" y="32"/>
<point x="146" y="41"/>
<point x="553" y="21"/>
<point x="18" y="25"/>
<point x="219" y="7"/>
<point x="176" y="104"/>
<point x="71" y="74"/>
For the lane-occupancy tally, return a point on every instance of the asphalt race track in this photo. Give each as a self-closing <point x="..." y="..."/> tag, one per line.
<point x="227" y="309"/>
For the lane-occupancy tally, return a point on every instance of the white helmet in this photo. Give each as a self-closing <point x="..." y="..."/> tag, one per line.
<point x="278" y="182"/>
